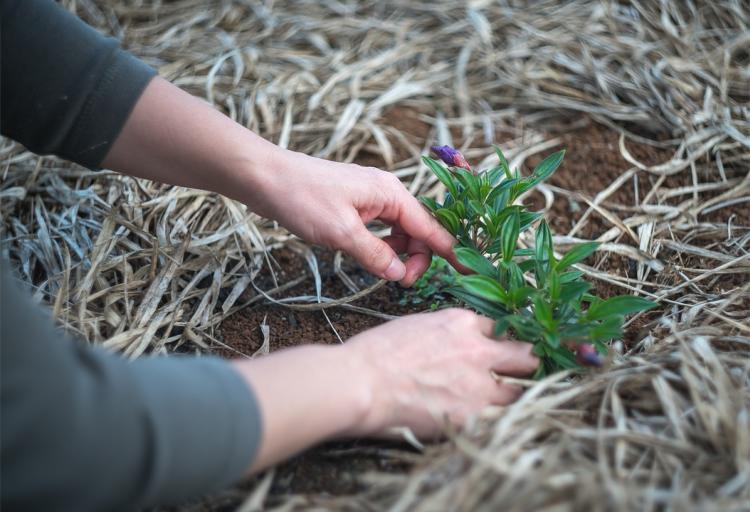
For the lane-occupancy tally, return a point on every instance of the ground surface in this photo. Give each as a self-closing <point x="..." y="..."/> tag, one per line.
<point x="141" y="267"/>
<point x="591" y="164"/>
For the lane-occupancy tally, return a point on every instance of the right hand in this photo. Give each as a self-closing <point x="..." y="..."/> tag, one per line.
<point x="425" y="368"/>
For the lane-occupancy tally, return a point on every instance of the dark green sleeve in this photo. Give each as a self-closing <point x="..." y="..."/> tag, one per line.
<point x="64" y="88"/>
<point x="83" y="429"/>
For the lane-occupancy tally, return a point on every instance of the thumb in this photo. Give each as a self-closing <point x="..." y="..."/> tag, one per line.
<point x="374" y="254"/>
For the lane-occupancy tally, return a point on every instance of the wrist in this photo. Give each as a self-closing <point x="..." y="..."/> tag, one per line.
<point x="364" y="389"/>
<point x="356" y="391"/>
<point x="254" y="171"/>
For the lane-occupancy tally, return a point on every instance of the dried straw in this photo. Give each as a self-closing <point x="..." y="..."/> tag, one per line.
<point x="141" y="267"/>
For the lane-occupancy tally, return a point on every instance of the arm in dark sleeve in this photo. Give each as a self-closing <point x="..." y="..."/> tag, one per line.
<point x="64" y="88"/>
<point x="86" y="430"/>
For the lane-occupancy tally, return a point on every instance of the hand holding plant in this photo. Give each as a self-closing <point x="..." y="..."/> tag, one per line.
<point x="542" y="300"/>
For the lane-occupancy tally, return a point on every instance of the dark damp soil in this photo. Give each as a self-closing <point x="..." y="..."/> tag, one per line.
<point x="591" y="164"/>
<point x="287" y="328"/>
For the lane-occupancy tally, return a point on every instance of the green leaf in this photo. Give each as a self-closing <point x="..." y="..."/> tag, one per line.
<point x="552" y="339"/>
<point x="573" y="275"/>
<point x="574" y="331"/>
<point x="501" y="326"/>
<point x="527" y="265"/>
<point x="543" y="239"/>
<point x="528" y="218"/>
<point x="509" y="235"/>
<point x="543" y="250"/>
<point x="484" y="287"/>
<point x="486" y="307"/>
<point x="448" y="219"/>
<point x="476" y="206"/>
<point x="471" y="258"/>
<point x="621" y="305"/>
<point x="502" y="187"/>
<point x="576" y="254"/>
<point x="430" y="203"/>
<point x="570" y="292"/>
<point x="545" y="169"/>
<point x="520" y="296"/>
<point x="494" y="175"/>
<point x="470" y="182"/>
<point x="554" y="285"/>
<point x="515" y="274"/>
<point x="564" y="358"/>
<point x="526" y="328"/>
<point x="609" y="329"/>
<point x="503" y="162"/>
<point x="448" y="200"/>
<point x="543" y="312"/>
<point x="459" y="209"/>
<point x="500" y="201"/>
<point x="442" y="174"/>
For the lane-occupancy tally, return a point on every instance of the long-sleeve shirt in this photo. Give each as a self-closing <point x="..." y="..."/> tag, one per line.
<point x="82" y="429"/>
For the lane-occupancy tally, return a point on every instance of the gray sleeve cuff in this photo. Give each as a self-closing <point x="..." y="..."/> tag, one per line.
<point x="107" y="109"/>
<point x="206" y="423"/>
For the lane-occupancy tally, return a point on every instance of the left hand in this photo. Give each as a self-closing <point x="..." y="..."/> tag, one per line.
<point x="330" y="203"/>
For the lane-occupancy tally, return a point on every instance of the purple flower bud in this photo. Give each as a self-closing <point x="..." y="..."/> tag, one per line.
<point x="451" y="156"/>
<point x="588" y="356"/>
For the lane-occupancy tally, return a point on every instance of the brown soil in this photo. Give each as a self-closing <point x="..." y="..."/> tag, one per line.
<point x="288" y="328"/>
<point x="592" y="162"/>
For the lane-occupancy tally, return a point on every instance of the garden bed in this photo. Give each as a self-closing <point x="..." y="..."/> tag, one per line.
<point x="140" y="267"/>
<point x="592" y="163"/>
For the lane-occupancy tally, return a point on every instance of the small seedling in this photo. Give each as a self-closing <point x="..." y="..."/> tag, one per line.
<point x="541" y="299"/>
<point x="432" y="285"/>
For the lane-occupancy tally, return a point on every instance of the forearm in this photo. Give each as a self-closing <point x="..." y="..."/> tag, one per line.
<point x="307" y="395"/>
<point x="176" y="138"/>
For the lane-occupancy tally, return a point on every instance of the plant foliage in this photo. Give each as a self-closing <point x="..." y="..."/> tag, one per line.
<point x="542" y="300"/>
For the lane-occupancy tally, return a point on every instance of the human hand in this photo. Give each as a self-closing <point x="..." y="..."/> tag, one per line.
<point x="330" y="203"/>
<point x="424" y="368"/>
<point x="412" y="372"/>
<point x="176" y="138"/>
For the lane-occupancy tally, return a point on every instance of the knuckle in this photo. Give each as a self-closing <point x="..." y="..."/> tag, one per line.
<point x="391" y="179"/>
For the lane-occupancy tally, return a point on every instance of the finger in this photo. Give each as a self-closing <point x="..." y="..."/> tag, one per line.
<point x="415" y="221"/>
<point x="419" y="255"/>
<point x="399" y="243"/>
<point x="506" y="393"/>
<point x="416" y="265"/>
<point x="417" y="262"/>
<point x="486" y="327"/>
<point x="375" y="255"/>
<point x="513" y="358"/>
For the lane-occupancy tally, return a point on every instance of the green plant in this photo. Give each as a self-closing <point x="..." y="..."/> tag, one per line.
<point x="541" y="299"/>
<point x="432" y="285"/>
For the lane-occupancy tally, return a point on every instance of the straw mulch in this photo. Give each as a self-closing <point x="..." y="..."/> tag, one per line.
<point x="141" y="267"/>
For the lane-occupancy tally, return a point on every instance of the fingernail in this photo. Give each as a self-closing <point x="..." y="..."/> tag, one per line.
<point x="395" y="271"/>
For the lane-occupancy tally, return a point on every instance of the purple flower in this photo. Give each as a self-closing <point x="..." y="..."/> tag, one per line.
<point x="451" y="156"/>
<point x="588" y="356"/>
